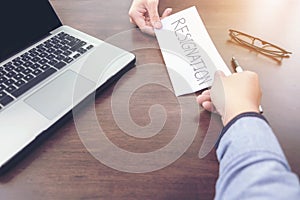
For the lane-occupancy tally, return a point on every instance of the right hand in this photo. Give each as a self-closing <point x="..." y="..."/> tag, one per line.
<point x="144" y="13"/>
<point x="232" y="95"/>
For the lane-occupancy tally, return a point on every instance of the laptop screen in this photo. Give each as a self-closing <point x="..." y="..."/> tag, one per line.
<point x="24" y="22"/>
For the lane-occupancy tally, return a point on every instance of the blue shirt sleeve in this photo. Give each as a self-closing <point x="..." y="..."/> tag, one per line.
<point x="252" y="163"/>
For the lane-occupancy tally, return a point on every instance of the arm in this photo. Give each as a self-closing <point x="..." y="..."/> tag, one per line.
<point x="252" y="164"/>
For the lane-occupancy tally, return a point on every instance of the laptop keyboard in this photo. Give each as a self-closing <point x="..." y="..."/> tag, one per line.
<point x="34" y="66"/>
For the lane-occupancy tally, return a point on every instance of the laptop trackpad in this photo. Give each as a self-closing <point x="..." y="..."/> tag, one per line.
<point x="58" y="96"/>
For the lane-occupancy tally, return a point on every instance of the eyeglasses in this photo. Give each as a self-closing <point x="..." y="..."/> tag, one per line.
<point x="259" y="45"/>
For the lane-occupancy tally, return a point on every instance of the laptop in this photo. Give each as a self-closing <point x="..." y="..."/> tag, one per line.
<point x="46" y="70"/>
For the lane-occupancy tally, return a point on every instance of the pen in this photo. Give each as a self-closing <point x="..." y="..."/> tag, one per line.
<point x="236" y="65"/>
<point x="238" y="69"/>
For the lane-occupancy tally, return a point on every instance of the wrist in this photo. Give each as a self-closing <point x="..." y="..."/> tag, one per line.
<point x="236" y="118"/>
<point x="237" y="110"/>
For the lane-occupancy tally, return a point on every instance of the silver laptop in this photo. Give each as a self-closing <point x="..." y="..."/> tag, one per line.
<point x="46" y="69"/>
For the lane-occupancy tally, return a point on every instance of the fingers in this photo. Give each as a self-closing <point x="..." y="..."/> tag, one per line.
<point x="139" y="19"/>
<point x="140" y="22"/>
<point x="144" y="27"/>
<point x="153" y="14"/>
<point x="205" y="101"/>
<point x="166" y="13"/>
<point x="219" y="74"/>
<point x="205" y="96"/>
<point x="136" y="16"/>
<point x="206" y="92"/>
<point x="209" y="106"/>
<point x="148" y="30"/>
<point x="144" y="14"/>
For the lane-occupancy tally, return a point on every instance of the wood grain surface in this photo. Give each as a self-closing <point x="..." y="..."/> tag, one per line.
<point x="61" y="167"/>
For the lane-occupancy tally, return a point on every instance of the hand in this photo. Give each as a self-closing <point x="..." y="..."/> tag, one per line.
<point x="144" y="13"/>
<point x="232" y="95"/>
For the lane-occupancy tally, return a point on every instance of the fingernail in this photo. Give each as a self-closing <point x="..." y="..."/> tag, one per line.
<point x="169" y="10"/>
<point x="157" y="25"/>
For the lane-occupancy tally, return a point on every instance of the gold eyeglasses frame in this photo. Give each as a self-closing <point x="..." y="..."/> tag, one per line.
<point x="276" y="52"/>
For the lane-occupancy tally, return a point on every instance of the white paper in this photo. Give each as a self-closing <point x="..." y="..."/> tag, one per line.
<point x="188" y="51"/>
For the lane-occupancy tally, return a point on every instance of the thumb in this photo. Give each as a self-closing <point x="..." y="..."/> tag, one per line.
<point x="219" y="74"/>
<point x="153" y="14"/>
<point x="218" y="78"/>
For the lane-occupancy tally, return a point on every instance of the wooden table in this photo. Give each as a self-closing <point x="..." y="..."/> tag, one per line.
<point x="62" y="168"/>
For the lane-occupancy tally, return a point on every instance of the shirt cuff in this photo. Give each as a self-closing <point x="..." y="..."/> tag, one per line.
<point x="231" y="122"/>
